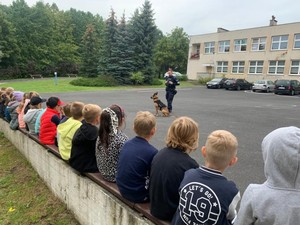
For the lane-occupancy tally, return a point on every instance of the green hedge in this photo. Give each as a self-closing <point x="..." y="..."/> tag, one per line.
<point x="103" y="81"/>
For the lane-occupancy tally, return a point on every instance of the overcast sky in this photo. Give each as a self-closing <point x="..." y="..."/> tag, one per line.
<point x="194" y="16"/>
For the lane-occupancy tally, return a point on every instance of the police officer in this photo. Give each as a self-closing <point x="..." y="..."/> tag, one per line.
<point x="170" y="83"/>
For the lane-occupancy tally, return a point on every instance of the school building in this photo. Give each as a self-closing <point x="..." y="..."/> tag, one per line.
<point x="270" y="52"/>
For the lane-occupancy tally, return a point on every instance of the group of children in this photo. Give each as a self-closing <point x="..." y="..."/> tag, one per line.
<point x="91" y="139"/>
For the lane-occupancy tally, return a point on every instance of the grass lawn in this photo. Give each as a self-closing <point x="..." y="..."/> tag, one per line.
<point x="24" y="198"/>
<point x="63" y="85"/>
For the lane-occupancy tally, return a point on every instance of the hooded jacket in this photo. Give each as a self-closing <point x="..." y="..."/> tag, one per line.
<point x="83" y="157"/>
<point x="65" y="134"/>
<point x="12" y="109"/>
<point x="30" y="118"/>
<point x="277" y="200"/>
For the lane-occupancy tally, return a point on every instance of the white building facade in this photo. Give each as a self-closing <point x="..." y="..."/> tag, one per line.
<point x="271" y="52"/>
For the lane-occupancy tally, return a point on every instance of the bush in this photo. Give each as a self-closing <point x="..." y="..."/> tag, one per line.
<point x="137" y="78"/>
<point x="156" y="82"/>
<point x="182" y="78"/>
<point x="102" y="81"/>
<point x="203" y="80"/>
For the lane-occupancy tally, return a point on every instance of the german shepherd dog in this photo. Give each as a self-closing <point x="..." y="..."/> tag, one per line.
<point x="159" y="105"/>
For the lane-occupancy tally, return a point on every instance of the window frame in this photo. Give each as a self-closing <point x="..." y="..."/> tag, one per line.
<point x="261" y="41"/>
<point x="210" y="46"/>
<point x="239" y="46"/>
<point x="221" y="65"/>
<point x="256" y="67"/>
<point x="224" y="46"/>
<point x="276" y="67"/>
<point x="296" y="40"/>
<point x="239" y="68"/>
<point x="279" y="42"/>
<point x="295" y="66"/>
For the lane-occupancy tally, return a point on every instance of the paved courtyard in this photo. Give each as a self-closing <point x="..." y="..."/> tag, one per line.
<point x="250" y="116"/>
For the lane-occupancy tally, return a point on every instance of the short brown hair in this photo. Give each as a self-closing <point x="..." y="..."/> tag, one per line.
<point x="221" y="147"/>
<point x="143" y="123"/>
<point x="67" y="109"/>
<point x="183" y="134"/>
<point x="76" y="110"/>
<point x="90" y="112"/>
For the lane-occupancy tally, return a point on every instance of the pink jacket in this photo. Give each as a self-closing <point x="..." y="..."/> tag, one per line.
<point x="21" y="114"/>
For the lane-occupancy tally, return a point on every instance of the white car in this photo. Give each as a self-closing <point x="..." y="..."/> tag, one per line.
<point x="263" y="85"/>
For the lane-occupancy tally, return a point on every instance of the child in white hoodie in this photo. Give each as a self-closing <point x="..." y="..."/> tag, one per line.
<point x="277" y="200"/>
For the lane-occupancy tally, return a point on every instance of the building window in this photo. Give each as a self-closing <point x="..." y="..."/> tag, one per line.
<point x="297" y="41"/>
<point x="240" y="45"/>
<point x="209" y="47"/>
<point x="258" y="44"/>
<point x="222" y="67"/>
<point x="238" y="67"/>
<point x="256" y="67"/>
<point x="195" y="53"/>
<point x="276" y="67"/>
<point x="280" y="42"/>
<point x="224" y="46"/>
<point x="295" y="67"/>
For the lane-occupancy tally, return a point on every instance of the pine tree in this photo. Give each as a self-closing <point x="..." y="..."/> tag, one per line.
<point x="106" y="59"/>
<point x="143" y="32"/>
<point x="121" y="59"/>
<point x="89" y="52"/>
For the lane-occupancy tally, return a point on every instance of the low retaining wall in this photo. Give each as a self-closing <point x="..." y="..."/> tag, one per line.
<point x="89" y="202"/>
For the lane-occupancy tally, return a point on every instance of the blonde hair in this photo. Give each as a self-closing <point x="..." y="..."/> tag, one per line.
<point x="33" y="94"/>
<point x="143" y="123"/>
<point x="9" y="90"/>
<point x="90" y="112"/>
<point x="76" y="110"/>
<point x="221" y="147"/>
<point x="183" y="134"/>
<point x="22" y="103"/>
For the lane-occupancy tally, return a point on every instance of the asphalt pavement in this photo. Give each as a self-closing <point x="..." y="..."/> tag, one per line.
<point x="249" y="116"/>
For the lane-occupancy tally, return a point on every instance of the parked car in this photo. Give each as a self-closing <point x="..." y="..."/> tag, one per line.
<point x="291" y="87"/>
<point x="216" y="83"/>
<point x="237" y="84"/>
<point x="263" y="85"/>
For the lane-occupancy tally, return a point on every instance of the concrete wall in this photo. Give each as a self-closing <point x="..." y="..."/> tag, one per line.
<point x="90" y="203"/>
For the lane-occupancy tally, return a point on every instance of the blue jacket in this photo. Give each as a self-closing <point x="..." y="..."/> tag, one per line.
<point x="133" y="170"/>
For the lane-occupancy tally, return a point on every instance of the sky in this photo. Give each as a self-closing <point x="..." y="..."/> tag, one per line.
<point x="194" y="16"/>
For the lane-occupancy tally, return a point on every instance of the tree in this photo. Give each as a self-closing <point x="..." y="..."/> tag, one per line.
<point x="106" y="58"/>
<point x="18" y="16"/>
<point x="79" y="21"/>
<point x="143" y="33"/>
<point x="172" y="51"/>
<point x="8" y="44"/>
<point x="63" y="46"/>
<point x="89" y="52"/>
<point x="121" y="64"/>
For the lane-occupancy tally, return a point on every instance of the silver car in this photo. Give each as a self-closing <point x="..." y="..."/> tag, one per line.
<point x="263" y="85"/>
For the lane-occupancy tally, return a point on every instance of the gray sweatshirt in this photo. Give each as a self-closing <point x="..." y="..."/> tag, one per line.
<point x="30" y="118"/>
<point x="277" y="200"/>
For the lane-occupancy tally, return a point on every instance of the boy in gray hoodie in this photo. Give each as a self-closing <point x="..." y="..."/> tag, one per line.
<point x="277" y="200"/>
